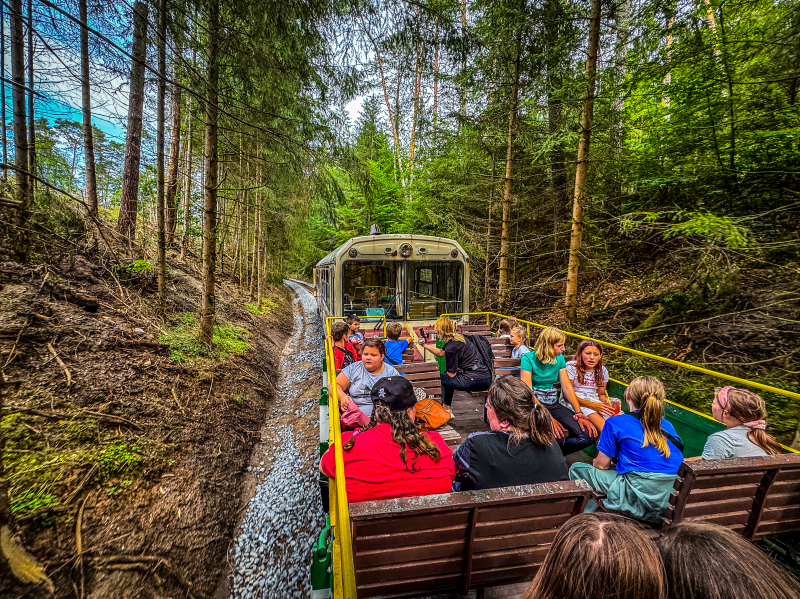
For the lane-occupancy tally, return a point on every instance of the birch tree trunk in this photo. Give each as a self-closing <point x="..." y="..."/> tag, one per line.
<point x="210" y="208"/>
<point x="582" y="171"/>
<point x="129" y="198"/>
<point x="86" y="109"/>
<point x="503" y="282"/>
<point x="174" y="150"/>
<point x="160" y="206"/>
<point x="20" y="128"/>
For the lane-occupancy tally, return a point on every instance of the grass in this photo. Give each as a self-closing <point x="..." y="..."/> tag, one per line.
<point x="267" y="304"/>
<point x="183" y="338"/>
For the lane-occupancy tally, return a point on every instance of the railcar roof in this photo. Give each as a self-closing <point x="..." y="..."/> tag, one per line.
<point x="342" y="249"/>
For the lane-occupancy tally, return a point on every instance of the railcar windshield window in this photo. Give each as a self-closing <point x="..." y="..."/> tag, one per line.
<point x="434" y="288"/>
<point x="368" y="287"/>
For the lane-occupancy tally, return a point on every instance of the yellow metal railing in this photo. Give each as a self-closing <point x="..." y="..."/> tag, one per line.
<point x="344" y="578"/>
<point x="330" y="319"/>
<point x="721" y="375"/>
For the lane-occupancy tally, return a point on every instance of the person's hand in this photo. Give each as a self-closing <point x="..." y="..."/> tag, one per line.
<point x="558" y="429"/>
<point x="344" y="403"/>
<point x="603" y="408"/>
<point x="586" y="425"/>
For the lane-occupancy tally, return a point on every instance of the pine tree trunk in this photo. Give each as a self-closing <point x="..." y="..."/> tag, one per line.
<point x="187" y="199"/>
<point x="464" y="58"/>
<point x="436" y="78"/>
<point x="582" y="171"/>
<point x="129" y="198"/>
<point x="160" y="200"/>
<point x="488" y="238"/>
<point x="31" y="97"/>
<point x="174" y="150"/>
<point x="210" y="208"/>
<point x="3" y="86"/>
<point x="20" y="128"/>
<point x="503" y="282"/>
<point x="86" y="100"/>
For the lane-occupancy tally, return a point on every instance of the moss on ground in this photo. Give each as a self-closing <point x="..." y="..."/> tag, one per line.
<point x="183" y="338"/>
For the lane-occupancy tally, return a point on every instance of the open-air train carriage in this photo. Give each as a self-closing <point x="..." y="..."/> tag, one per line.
<point x="422" y="546"/>
<point x="401" y="277"/>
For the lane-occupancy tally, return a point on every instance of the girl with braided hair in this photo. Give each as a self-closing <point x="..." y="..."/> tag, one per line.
<point x="744" y="414"/>
<point x="390" y="457"/>
<point x="647" y="451"/>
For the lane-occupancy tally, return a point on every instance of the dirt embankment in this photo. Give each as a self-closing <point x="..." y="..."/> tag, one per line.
<point x="150" y="441"/>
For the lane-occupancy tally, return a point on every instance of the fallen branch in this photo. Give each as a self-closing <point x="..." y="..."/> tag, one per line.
<point x="124" y="562"/>
<point x="94" y="469"/>
<point x="83" y="414"/>
<point x="60" y="363"/>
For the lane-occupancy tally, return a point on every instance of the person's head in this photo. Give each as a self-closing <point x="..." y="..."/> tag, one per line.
<point x="646" y="394"/>
<point x="589" y="356"/>
<point x="353" y="322"/>
<point x="736" y="407"/>
<point x="372" y="353"/>
<point x="707" y="561"/>
<point x="510" y="406"/>
<point x="600" y="556"/>
<point x="394" y="402"/>
<point x="549" y="344"/>
<point x="445" y="327"/>
<point x="393" y="330"/>
<point x="519" y="336"/>
<point x="339" y="330"/>
<point x="506" y="325"/>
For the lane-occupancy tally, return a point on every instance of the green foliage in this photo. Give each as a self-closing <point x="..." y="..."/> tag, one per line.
<point x="186" y="347"/>
<point x="721" y="230"/>
<point x="267" y="304"/>
<point x="119" y="458"/>
<point x="30" y="501"/>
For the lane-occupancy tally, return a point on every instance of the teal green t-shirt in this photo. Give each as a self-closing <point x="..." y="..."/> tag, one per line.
<point x="543" y="376"/>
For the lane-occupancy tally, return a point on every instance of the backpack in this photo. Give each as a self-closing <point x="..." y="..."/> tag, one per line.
<point x="348" y="356"/>
<point x="480" y="343"/>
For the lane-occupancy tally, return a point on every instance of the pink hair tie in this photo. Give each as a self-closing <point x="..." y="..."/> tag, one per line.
<point x="757" y="424"/>
<point x="722" y="396"/>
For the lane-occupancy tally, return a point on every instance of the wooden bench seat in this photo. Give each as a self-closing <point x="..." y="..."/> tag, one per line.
<point x="476" y="329"/>
<point x="424" y="375"/>
<point x="458" y="541"/>
<point x="756" y="497"/>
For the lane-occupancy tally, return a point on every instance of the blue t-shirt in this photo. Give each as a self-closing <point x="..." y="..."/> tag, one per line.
<point x="622" y="438"/>
<point x="395" y="349"/>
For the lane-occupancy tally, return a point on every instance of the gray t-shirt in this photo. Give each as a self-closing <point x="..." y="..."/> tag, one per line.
<point x="362" y="381"/>
<point x="731" y="443"/>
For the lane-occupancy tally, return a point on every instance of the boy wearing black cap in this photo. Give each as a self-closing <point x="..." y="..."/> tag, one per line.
<point x="376" y="466"/>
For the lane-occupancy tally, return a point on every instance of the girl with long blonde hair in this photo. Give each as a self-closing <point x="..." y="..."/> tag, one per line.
<point x="544" y="368"/>
<point x="647" y="450"/>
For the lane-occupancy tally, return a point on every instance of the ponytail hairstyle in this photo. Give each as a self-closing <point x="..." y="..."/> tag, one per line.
<point x="521" y="334"/>
<point x="749" y="409"/>
<point x="513" y="401"/>
<point x="545" y="342"/>
<point x="646" y="393"/>
<point x="506" y="326"/>
<point x="447" y="328"/>
<point x="581" y="367"/>
<point x="404" y="432"/>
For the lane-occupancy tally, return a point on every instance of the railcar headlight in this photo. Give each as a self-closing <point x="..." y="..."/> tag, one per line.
<point x="454" y="253"/>
<point x="405" y="250"/>
<point x="387" y="251"/>
<point x="422" y="250"/>
<point x="352" y="252"/>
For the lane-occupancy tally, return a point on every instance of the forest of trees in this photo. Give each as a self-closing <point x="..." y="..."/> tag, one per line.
<point x="238" y="150"/>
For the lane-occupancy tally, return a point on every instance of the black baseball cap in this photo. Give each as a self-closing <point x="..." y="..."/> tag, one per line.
<point x="396" y="391"/>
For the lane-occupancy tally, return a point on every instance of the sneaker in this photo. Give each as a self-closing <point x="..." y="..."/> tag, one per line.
<point x="449" y="411"/>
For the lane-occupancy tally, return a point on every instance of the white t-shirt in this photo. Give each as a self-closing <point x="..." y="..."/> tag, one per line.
<point x="362" y="381"/>
<point x="731" y="443"/>
<point x="589" y="385"/>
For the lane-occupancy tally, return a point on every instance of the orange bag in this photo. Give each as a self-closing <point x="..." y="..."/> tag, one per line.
<point x="432" y="414"/>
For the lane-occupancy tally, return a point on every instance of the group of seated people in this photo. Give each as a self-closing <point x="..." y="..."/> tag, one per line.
<point x="553" y="409"/>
